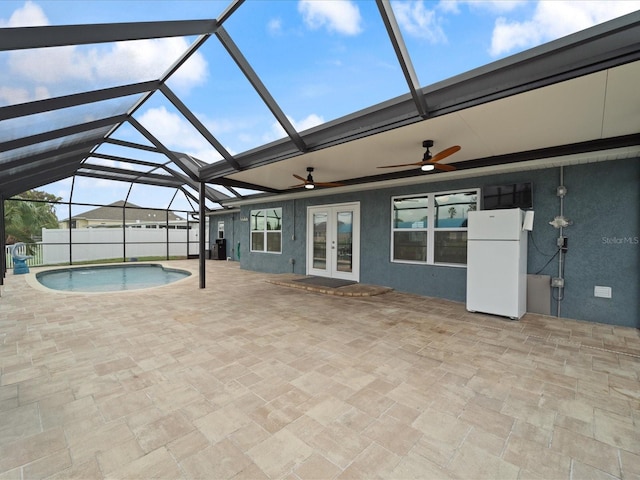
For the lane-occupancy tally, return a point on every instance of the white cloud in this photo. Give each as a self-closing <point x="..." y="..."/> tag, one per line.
<point x="418" y="21"/>
<point x="274" y="26"/>
<point x="340" y="16"/>
<point x="14" y="95"/>
<point x="176" y="133"/>
<point x="122" y="62"/>
<point x="31" y="74"/>
<point x="30" y="15"/>
<point x="306" y="123"/>
<point x="552" y="20"/>
<point x="50" y="66"/>
<point x="495" y="6"/>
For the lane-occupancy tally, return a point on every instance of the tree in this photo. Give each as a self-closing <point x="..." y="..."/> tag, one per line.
<point x="26" y="214"/>
<point x="452" y="212"/>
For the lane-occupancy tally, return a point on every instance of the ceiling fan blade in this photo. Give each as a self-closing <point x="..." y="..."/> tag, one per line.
<point x="416" y="164"/>
<point x="445" y="167"/>
<point x="300" y="178"/>
<point x="328" y="184"/>
<point x="445" y="153"/>
<point x="297" y="186"/>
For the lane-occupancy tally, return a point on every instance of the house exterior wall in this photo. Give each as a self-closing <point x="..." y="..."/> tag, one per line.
<point x="603" y="202"/>
<point x="231" y="233"/>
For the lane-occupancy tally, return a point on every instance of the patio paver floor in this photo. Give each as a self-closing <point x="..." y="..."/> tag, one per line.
<point x="248" y="379"/>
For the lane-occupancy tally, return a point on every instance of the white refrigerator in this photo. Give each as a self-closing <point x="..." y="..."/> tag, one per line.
<point x="497" y="262"/>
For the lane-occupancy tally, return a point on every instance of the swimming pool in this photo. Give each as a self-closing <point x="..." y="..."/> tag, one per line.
<point x="110" y="278"/>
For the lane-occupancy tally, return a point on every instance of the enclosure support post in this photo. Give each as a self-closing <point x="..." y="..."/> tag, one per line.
<point x="166" y="227"/>
<point x="70" y="235"/>
<point x="201" y="234"/>
<point x="3" y="246"/>
<point x="124" y="231"/>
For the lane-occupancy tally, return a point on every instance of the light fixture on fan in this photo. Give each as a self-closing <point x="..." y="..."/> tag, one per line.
<point x="427" y="167"/>
<point x="309" y="184"/>
<point x="430" y="162"/>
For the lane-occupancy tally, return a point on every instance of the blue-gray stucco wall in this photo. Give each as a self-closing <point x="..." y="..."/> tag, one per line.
<point x="603" y="202"/>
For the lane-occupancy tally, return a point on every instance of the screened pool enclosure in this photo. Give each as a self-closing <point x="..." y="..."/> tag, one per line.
<point x="105" y="115"/>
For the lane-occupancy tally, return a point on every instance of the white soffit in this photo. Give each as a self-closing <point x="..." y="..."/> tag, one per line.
<point x="561" y="114"/>
<point x="600" y="105"/>
<point x="622" y="101"/>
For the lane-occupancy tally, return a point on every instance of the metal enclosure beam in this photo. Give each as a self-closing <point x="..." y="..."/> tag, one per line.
<point x="67" y="101"/>
<point x="199" y="126"/>
<point x="61" y="132"/>
<point x="35" y="179"/>
<point x="132" y="161"/>
<point x="58" y="36"/>
<point x="190" y="169"/>
<point x="3" y="246"/>
<point x="260" y="88"/>
<point x="395" y="35"/>
<point x="202" y="234"/>
<point x="136" y="146"/>
<point x="124" y="175"/>
<point x="232" y="7"/>
<point x="80" y="150"/>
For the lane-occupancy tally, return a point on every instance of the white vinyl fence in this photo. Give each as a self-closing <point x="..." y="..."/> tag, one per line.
<point x="35" y="250"/>
<point x="90" y="244"/>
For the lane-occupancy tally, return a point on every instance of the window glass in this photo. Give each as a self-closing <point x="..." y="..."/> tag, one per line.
<point x="451" y="209"/>
<point x="410" y="246"/>
<point x="274" y="241"/>
<point x="257" y="241"/>
<point x="273" y="219"/>
<point x="257" y="220"/>
<point x="410" y="212"/>
<point x="450" y="246"/>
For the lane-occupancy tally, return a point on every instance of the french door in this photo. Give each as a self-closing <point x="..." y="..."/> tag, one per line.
<point x="333" y="241"/>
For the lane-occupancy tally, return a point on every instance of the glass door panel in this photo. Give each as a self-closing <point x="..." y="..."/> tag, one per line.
<point x="320" y="241"/>
<point x="344" y="230"/>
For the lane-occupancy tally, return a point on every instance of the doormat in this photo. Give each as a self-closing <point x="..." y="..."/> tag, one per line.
<point x="325" y="282"/>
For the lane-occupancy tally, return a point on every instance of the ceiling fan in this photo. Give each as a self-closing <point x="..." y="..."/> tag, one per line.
<point x="430" y="162"/>
<point x="309" y="183"/>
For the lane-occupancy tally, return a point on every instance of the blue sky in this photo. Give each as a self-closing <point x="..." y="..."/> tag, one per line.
<point x="320" y="60"/>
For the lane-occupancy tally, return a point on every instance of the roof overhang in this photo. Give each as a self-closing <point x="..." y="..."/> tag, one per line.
<point x="570" y="97"/>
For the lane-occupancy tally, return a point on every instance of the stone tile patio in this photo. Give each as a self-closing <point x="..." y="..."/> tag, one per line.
<point x="248" y="379"/>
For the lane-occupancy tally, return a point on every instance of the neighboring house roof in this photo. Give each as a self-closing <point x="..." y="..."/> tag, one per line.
<point x="133" y="213"/>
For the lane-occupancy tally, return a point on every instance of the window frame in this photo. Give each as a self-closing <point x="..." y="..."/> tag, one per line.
<point x="265" y="231"/>
<point x="430" y="228"/>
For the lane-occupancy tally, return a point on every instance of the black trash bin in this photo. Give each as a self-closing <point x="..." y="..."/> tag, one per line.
<point x="219" y="249"/>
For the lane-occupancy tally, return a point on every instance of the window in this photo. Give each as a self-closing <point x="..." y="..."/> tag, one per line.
<point x="410" y="221"/>
<point x="266" y="230"/>
<point x="431" y="228"/>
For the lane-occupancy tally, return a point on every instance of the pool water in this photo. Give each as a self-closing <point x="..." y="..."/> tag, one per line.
<point x="110" y="278"/>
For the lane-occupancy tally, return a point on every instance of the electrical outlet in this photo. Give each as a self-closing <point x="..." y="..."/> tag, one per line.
<point x="562" y="243"/>
<point x="557" y="282"/>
